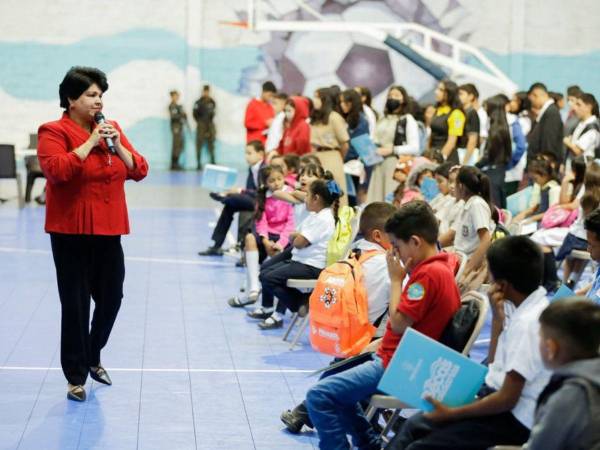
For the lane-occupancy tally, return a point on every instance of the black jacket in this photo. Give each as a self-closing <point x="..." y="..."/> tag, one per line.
<point x="547" y="135"/>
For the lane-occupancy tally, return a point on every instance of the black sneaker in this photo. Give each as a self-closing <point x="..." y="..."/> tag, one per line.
<point x="211" y="251"/>
<point x="216" y="196"/>
<point x="296" y="418"/>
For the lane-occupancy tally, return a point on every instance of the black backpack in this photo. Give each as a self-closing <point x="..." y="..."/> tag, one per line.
<point x="461" y="326"/>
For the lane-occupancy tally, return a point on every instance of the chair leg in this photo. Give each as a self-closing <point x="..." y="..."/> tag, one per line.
<point x="29" y="186"/>
<point x="388" y="426"/>
<point x="300" y="332"/>
<point x="20" y="191"/>
<point x="289" y="328"/>
<point x="580" y="271"/>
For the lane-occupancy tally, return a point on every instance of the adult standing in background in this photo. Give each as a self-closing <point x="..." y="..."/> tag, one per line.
<point x="447" y="124"/>
<point x="178" y="122"/>
<point x="329" y="136"/>
<point x="260" y="114"/>
<point x="204" y="115"/>
<point x="367" y="99"/>
<point x="86" y="215"/>
<point x="546" y="136"/>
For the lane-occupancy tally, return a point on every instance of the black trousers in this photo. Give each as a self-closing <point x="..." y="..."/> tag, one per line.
<point x="479" y="433"/>
<point x="86" y="266"/>
<point x="232" y="204"/>
<point x="274" y="279"/>
<point x="496" y="175"/>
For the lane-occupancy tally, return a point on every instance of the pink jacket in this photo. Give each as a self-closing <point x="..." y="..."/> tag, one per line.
<point x="278" y="218"/>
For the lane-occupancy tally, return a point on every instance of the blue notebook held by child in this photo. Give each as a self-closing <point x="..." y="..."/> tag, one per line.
<point x="421" y="366"/>
<point x="218" y="178"/>
<point x="429" y="188"/>
<point x="562" y="292"/>
<point x="519" y="201"/>
<point x="366" y="149"/>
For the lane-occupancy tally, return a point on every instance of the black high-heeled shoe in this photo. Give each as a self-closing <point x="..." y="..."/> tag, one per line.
<point x="100" y="375"/>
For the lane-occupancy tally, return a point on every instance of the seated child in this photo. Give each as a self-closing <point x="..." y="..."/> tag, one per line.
<point x="503" y="413"/>
<point x="592" y="229"/>
<point x="376" y="282"/>
<point x="274" y="224"/>
<point x="308" y="258"/>
<point x="471" y="233"/>
<point x="289" y="174"/>
<point x="448" y="215"/>
<point x="427" y="303"/>
<point x="546" y="192"/>
<point x="237" y="199"/>
<point x="570" y="338"/>
<point x="444" y="200"/>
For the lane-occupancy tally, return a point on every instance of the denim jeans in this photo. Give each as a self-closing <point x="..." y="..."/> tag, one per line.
<point x="334" y="409"/>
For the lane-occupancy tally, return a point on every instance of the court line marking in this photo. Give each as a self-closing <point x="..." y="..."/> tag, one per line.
<point x="192" y="262"/>
<point x="174" y="370"/>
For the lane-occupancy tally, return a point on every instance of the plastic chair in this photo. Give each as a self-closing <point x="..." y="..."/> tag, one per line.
<point x="463" y="263"/>
<point x="8" y="169"/>
<point x="582" y="256"/>
<point x="508" y="217"/>
<point x="307" y="286"/>
<point x="32" y="164"/>
<point x="379" y="401"/>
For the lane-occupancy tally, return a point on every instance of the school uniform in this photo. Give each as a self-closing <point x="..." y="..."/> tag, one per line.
<point x="547" y="133"/>
<point x="518" y="351"/>
<point x="430" y="298"/>
<point x="475" y="215"/>
<point x="544" y="196"/>
<point x="586" y="136"/>
<point x="448" y="215"/>
<point x="446" y="122"/>
<point x="305" y="263"/>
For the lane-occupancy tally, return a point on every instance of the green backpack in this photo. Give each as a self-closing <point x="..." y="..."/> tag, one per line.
<point x="342" y="237"/>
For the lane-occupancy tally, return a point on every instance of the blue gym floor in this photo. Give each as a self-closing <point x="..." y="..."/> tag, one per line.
<point x="188" y="371"/>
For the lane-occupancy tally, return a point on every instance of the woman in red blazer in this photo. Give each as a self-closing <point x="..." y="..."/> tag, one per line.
<point x="86" y="215"/>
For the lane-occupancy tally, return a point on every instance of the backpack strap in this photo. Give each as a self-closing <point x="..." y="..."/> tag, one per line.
<point x="380" y="319"/>
<point x="591" y="436"/>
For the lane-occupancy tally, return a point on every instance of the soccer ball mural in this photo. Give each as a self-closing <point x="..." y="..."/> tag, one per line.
<point x="301" y="62"/>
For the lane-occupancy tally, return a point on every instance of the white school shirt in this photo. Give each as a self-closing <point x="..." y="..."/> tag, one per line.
<point x="412" y="145"/>
<point x="587" y="141"/>
<point x="518" y="350"/>
<point x="275" y="132"/>
<point x="577" y="229"/>
<point x="300" y="213"/>
<point x="376" y="282"/>
<point x="318" y="229"/>
<point x="475" y="215"/>
<point x="553" y="195"/>
<point x="371" y="120"/>
<point x="449" y="214"/>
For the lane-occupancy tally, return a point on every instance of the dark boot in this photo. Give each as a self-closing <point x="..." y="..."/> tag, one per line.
<point x="296" y="418"/>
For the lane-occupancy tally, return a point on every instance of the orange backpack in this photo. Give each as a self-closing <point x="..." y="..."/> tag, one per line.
<point x="339" y="310"/>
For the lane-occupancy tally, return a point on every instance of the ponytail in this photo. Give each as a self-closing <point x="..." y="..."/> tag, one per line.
<point x="329" y="191"/>
<point x="478" y="183"/>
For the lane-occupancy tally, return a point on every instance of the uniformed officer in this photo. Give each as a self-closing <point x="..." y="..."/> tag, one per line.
<point x="178" y="121"/>
<point x="204" y="113"/>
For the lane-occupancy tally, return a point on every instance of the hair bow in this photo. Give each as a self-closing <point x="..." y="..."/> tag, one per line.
<point x="334" y="188"/>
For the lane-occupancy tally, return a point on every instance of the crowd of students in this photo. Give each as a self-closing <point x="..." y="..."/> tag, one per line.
<point x="431" y="186"/>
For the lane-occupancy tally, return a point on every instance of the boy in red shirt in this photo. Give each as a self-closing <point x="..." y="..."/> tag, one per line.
<point x="427" y="304"/>
<point x="259" y="114"/>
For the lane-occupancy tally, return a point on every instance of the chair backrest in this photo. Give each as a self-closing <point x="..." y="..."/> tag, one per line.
<point x="8" y="162"/>
<point x="466" y="324"/>
<point x="33" y="141"/>
<point x="463" y="263"/>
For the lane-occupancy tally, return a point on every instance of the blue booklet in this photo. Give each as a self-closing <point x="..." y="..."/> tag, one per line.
<point x="563" y="292"/>
<point x="350" y="186"/>
<point x="429" y="188"/>
<point x="218" y="178"/>
<point x="421" y="367"/>
<point x="366" y="149"/>
<point x="519" y="201"/>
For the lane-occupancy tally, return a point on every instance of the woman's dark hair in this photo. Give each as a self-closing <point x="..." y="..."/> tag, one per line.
<point x="321" y="116"/>
<point x="443" y="170"/>
<point x="292" y="162"/>
<point x="352" y="98"/>
<point x="524" y="102"/>
<point x="366" y="93"/>
<point x="578" y="166"/>
<point x="404" y="104"/>
<point x="499" y="143"/>
<point x="334" y="92"/>
<point x="329" y="191"/>
<point x="589" y="99"/>
<point x="261" y="195"/>
<point x="77" y="80"/>
<point x="518" y="260"/>
<point x="575" y="321"/>
<point x="415" y="218"/>
<point x="477" y="183"/>
<point x="452" y="99"/>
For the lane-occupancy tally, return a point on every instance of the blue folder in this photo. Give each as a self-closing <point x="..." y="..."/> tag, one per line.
<point x="429" y="188"/>
<point x="366" y="149"/>
<point x="421" y="366"/>
<point x="218" y="178"/>
<point x="563" y="292"/>
<point x="519" y="201"/>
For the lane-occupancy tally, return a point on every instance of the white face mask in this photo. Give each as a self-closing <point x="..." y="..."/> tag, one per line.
<point x="289" y="115"/>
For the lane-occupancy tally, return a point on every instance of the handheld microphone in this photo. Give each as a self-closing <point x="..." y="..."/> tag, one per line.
<point x="99" y="119"/>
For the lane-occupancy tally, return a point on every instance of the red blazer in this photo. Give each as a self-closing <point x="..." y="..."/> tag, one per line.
<point x="255" y="120"/>
<point x="84" y="197"/>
